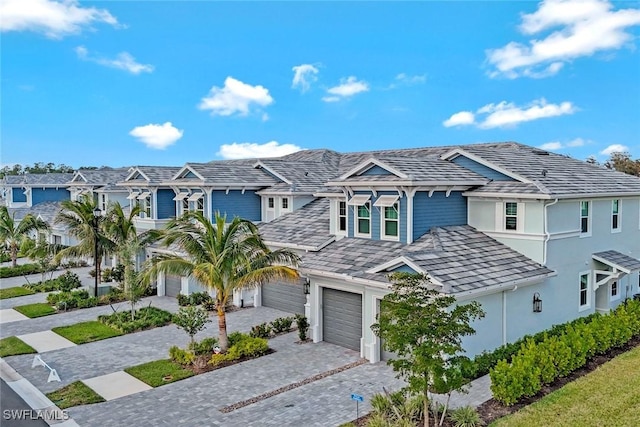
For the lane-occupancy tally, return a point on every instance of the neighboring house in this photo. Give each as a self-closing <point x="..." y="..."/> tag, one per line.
<point x="101" y="185"/>
<point x="503" y="224"/>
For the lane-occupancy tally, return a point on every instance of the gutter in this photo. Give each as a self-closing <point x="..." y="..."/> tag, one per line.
<point x="547" y="235"/>
<point x="345" y="277"/>
<point x="512" y="286"/>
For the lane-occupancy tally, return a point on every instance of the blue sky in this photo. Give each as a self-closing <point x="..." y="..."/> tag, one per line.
<point x="164" y="83"/>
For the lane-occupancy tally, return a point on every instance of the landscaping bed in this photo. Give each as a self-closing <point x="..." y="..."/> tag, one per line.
<point x="145" y="318"/>
<point x="159" y="372"/>
<point x="38" y="309"/>
<point x="17" y="291"/>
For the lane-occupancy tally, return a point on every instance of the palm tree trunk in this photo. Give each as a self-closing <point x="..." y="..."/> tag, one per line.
<point x="14" y="255"/>
<point x="222" y="329"/>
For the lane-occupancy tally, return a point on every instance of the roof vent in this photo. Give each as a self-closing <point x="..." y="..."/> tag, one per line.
<point x="544" y="172"/>
<point x="540" y="152"/>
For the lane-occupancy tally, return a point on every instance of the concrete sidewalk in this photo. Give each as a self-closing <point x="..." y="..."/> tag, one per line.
<point x="82" y="272"/>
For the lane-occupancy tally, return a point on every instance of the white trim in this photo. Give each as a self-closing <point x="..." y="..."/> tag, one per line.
<point x="133" y="195"/>
<point x="186" y="168"/>
<point x="136" y="171"/>
<point x="356" y="218"/>
<point x="618" y="214"/>
<point x="358" y="200"/>
<point x="386" y="201"/>
<point x="611" y="264"/>
<point x="383" y="220"/>
<point x="195" y="196"/>
<point x="368" y="164"/>
<point x="617" y="296"/>
<point x="143" y="195"/>
<point x="589" y="218"/>
<point x="181" y="195"/>
<point x="260" y="164"/>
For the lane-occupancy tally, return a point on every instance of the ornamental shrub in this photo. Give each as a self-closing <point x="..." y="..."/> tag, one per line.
<point x="262" y="330"/>
<point x="180" y="356"/>
<point x="281" y="325"/>
<point x="303" y="326"/>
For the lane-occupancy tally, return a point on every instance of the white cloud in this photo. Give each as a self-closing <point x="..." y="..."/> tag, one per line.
<point x="506" y="114"/>
<point x="347" y="87"/>
<point x="235" y="97"/>
<point x="303" y="76"/>
<point x="52" y="18"/>
<point x="404" y="79"/>
<point x="157" y="136"/>
<point x="614" y="148"/>
<point x="124" y="61"/>
<point x="250" y="150"/>
<point x="551" y="146"/>
<point x="583" y="27"/>
<point x="556" y="145"/>
<point x="459" y="119"/>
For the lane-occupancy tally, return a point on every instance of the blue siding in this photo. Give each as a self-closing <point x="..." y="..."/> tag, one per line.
<point x="404" y="269"/>
<point x="437" y="211"/>
<point x="376" y="170"/>
<point x="246" y="206"/>
<point x="481" y="169"/>
<point x="39" y="195"/>
<point x="18" y="195"/>
<point x="165" y="203"/>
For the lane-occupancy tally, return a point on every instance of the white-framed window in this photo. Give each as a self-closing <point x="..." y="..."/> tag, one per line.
<point x="390" y="222"/>
<point x="585" y="218"/>
<point x="363" y="220"/>
<point x="103" y="202"/>
<point x="342" y="216"/>
<point x="198" y="205"/>
<point x="615" y="216"/>
<point x="584" y="295"/>
<point x="185" y="206"/>
<point x="145" y="207"/>
<point x="511" y="216"/>
<point x="615" y="291"/>
<point x="271" y="203"/>
<point x="285" y="203"/>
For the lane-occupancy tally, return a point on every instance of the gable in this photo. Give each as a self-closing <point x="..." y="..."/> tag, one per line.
<point x="481" y="169"/>
<point x="376" y="170"/>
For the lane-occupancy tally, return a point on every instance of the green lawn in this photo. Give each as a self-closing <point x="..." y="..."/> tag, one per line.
<point x="35" y="310"/>
<point x="74" y="394"/>
<point x="153" y="373"/>
<point x="12" y="346"/>
<point x="610" y="395"/>
<point x="85" y="332"/>
<point x="17" y="291"/>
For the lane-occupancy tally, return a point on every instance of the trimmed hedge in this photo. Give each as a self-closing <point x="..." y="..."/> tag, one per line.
<point x="20" y="270"/>
<point x="145" y="318"/>
<point x="539" y="363"/>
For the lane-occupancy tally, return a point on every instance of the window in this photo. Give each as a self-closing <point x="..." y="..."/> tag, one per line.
<point x="584" y="291"/>
<point x="342" y="216"/>
<point x="270" y="202"/>
<point x="510" y="216"/>
<point x="390" y="222"/>
<point x="585" y="218"/>
<point x="103" y="202"/>
<point x="185" y="206"/>
<point x="285" y="203"/>
<point x="364" y="219"/>
<point x="615" y="215"/>
<point x="146" y="206"/>
<point x="57" y="240"/>
<point x="615" y="293"/>
<point x="199" y="205"/>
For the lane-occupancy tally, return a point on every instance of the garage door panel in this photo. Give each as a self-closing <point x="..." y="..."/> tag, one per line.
<point x="342" y="318"/>
<point x="172" y="285"/>
<point x="284" y="296"/>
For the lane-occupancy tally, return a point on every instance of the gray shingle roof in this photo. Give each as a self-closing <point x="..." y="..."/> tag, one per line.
<point x="307" y="227"/>
<point x="555" y="174"/>
<point x="157" y="174"/>
<point x="46" y="210"/>
<point x="619" y="259"/>
<point x="305" y="176"/>
<point x="102" y="176"/>
<point x="459" y="257"/>
<point x="511" y="187"/>
<point x="48" y="179"/>
<point x="239" y="172"/>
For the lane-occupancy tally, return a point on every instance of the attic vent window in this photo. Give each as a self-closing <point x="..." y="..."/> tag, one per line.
<point x="540" y="152"/>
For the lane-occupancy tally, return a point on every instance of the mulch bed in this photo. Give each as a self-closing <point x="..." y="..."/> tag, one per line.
<point x="491" y="410"/>
<point x="201" y="365"/>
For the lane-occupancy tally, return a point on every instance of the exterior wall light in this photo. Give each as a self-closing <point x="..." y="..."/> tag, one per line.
<point x="306" y="286"/>
<point x="537" y="303"/>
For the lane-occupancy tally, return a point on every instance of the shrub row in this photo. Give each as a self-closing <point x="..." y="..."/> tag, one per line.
<point x="145" y="318"/>
<point x="241" y="346"/>
<point x="278" y="326"/>
<point x="486" y="360"/>
<point x="20" y="270"/>
<point x="65" y="282"/>
<point x="539" y="363"/>
<point x="197" y="298"/>
<point x="197" y="348"/>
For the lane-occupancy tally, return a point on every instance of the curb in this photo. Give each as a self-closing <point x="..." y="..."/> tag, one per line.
<point x="35" y="398"/>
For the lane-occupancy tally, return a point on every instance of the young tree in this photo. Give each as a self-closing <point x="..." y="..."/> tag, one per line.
<point x="44" y="254"/>
<point x="224" y="257"/>
<point x="622" y="162"/>
<point x="424" y="328"/>
<point x="192" y="320"/>
<point x="13" y="232"/>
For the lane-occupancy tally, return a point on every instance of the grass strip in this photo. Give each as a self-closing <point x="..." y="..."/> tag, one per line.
<point x="16" y="291"/>
<point x="74" y="394"/>
<point x="12" y="346"/>
<point x="159" y="372"/>
<point x="608" y="395"/>
<point x="38" y="309"/>
<point x="84" y="332"/>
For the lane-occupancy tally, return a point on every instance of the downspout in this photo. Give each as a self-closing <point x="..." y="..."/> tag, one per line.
<point x="547" y="235"/>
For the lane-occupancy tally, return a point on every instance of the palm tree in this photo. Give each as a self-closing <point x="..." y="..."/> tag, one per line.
<point x="128" y="243"/>
<point x="223" y="257"/>
<point x="12" y="233"/>
<point x="89" y="230"/>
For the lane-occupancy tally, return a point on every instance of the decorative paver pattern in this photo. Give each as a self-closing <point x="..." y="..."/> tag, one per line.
<point x="10" y="315"/>
<point x="46" y="341"/>
<point x="115" y="385"/>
